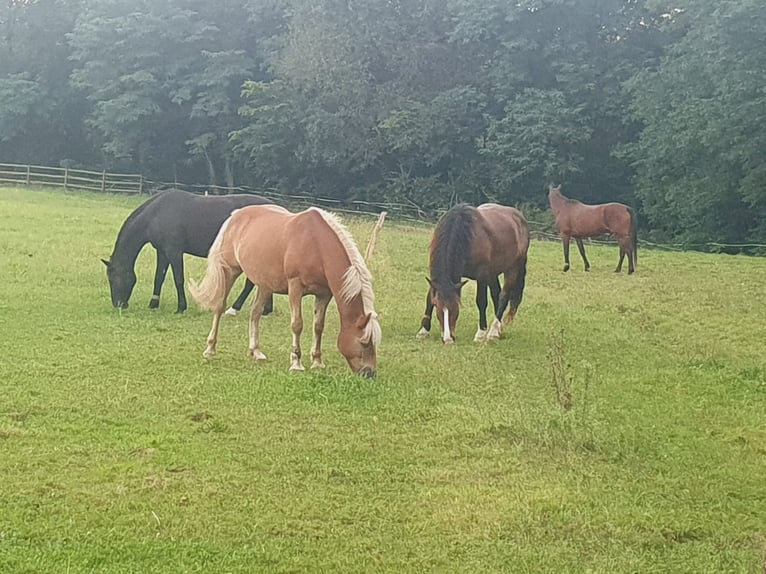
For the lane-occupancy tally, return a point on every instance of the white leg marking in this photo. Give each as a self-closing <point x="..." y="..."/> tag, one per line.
<point x="495" y="329"/>
<point x="481" y="335"/>
<point x="446" y="336"/>
<point x="422" y="334"/>
<point x="231" y="311"/>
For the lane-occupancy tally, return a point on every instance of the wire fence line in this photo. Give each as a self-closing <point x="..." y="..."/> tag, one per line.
<point x="409" y="211"/>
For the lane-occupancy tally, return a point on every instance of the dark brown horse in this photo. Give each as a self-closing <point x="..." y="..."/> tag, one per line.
<point x="478" y="243"/>
<point x="578" y="220"/>
<point x="307" y="253"/>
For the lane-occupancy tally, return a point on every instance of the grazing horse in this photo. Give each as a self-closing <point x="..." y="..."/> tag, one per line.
<point x="174" y="222"/>
<point x="478" y="243"/>
<point x="306" y="253"/>
<point x="578" y="220"/>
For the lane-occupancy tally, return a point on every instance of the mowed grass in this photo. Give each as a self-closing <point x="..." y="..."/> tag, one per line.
<point x="123" y="450"/>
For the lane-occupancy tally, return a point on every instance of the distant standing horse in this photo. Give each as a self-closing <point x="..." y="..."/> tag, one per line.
<point x="299" y="254"/>
<point x="478" y="243"/>
<point x="578" y="220"/>
<point x="174" y="222"/>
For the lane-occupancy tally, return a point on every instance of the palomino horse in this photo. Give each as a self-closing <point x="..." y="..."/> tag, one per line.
<point x="306" y="253"/>
<point x="478" y="243"/>
<point x="578" y="220"/>
<point x="174" y="222"/>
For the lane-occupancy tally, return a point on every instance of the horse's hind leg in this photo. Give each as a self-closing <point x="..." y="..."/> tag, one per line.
<point x="425" y="323"/>
<point x="177" y="264"/>
<point x="626" y="249"/>
<point x="511" y="295"/>
<point x="256" y="311"/>
<point x="565" y="243"/>
<point x="246" y="290"/>
<point x="295" y="294"/>
<point x="212" y="339"/>
<point x="320" y="311"/>
<point x="159" y="279"/>
<point x="581" y="248"/>
<point x="481" y="303"/>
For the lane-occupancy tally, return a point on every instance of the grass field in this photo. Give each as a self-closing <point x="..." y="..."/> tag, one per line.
<point x="123" y="450"/>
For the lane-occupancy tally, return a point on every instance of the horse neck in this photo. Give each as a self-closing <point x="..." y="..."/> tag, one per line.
<point x="557" y="200"/>
<point x="130" y="240"/>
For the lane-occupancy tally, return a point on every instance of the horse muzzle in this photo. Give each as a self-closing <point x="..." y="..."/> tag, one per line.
<point x="367" y="372"/>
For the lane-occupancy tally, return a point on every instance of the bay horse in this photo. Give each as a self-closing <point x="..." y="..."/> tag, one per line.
<point x="298" y="254"/>
<point x="478" y="243"/>
<point x="174" y="222"/>
<point x="579" y="220"/>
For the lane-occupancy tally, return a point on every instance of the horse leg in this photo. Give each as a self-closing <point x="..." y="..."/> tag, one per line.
<point x="159" y="279"/>
<point x="630" y="251"/>
<point x="246" y="290"/>
<point x="320" y="310"/>
<point x="295" y="294"/>
<point x="256" y="311"/>
<point x="565" y="242"/>
<point x="516" y="282"/>
<point x="481" y="303"/>
<point x="425" y="323"/>
<point x="177" y="264"/>
<point x="581" y="248"/>
<point x="237" y="306"/>
<point x="622" y="257"/>
<point x="212" y="338"/>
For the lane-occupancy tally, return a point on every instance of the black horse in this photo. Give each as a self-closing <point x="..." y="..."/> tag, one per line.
<point x="174" y="222"/>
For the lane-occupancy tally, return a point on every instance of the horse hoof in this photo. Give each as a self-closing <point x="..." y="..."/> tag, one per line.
<point x="422" y="334"/>
<point x="258" y="356"/>
<point x="231" y="311"/>
<point x="566" y="268"/>
<point x="449" y="341"/>
<point x="154" y="304"/>
<point x="587" y="269"/>
<point x="481" y="336"/>
<point x="208" y="353"/>
<point x="297" y="368"/>
<point x="317" y="365"/>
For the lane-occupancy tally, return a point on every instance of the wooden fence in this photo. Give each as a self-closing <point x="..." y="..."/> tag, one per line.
<point x="17" y="174"/>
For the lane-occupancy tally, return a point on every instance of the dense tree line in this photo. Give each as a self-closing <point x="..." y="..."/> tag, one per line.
<point x="660" y="104"/>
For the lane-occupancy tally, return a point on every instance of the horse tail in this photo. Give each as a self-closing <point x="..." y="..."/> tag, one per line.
<point x="633" y="236"/>
<point x="211" y="293"/>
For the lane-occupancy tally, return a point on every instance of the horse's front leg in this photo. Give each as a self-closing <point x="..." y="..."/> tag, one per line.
<point x="481" y="304"/>
<point x="159" y="279"/>
<point x="565" y="242"/>
<point x="320" y="311"/>
<point x="425" y="323"/>
<point x="295" y="295"/>
<point x="256" y="311"/>
<point x="581" y="248"/>
<point x="177" y="264"/>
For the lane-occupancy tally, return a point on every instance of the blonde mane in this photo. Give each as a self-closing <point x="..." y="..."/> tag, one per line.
<point x="357" y="280"/>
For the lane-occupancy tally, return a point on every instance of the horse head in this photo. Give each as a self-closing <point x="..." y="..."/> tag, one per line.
<point x="358" y="342"/>
<point x="445" y="297"/>
<point x="121" y="283"/>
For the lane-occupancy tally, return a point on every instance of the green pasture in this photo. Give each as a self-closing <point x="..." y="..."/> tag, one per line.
<point x="123" y="450"/>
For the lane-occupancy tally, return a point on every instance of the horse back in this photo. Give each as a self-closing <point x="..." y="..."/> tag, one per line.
<point x="501" y="239"/>
<point x="182" y="221"/>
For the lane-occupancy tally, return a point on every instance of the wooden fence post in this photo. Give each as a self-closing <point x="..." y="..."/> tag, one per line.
<point x="141" y="185"/>
<point x="66" y="177"/>
<point x="374" y="236"/>
<point x="103" y="181"/>
<point x="28" y="175"/>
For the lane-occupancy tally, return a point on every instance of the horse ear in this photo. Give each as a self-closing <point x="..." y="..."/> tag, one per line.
<point x="105" y="262"/>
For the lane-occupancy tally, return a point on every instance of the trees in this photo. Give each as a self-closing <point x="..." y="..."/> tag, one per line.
<point x="700" y="155"/>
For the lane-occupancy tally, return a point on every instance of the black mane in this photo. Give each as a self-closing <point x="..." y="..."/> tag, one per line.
<point x="451" y="248"/>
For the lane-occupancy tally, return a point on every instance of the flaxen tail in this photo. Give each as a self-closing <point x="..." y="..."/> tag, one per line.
<point x="633" y="236"/>
<point x="212" y="292"/>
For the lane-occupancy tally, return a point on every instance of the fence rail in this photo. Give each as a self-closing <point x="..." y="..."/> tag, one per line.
<point x="103" y="181"/>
